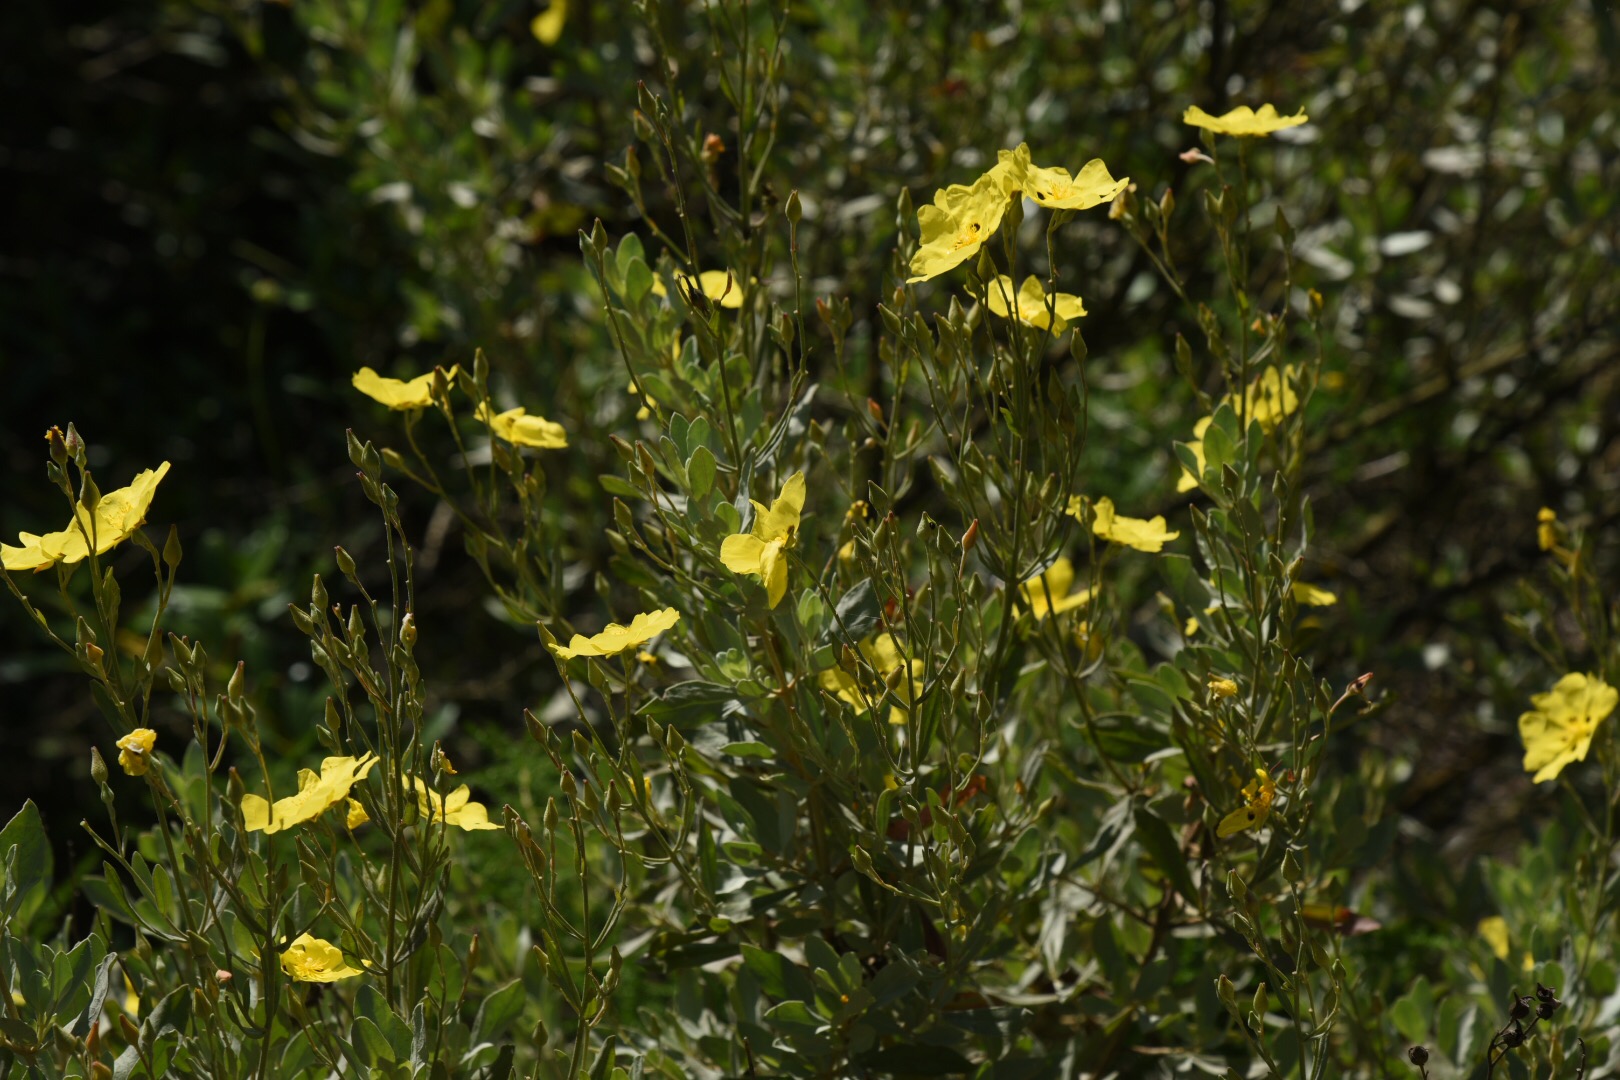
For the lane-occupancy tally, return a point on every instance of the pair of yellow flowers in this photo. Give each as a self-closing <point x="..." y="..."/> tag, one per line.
<point x="762" y="551"/>
<point x="964" y="216"/>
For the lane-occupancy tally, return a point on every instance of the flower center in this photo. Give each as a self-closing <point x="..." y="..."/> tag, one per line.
<point x="969" y="235"/>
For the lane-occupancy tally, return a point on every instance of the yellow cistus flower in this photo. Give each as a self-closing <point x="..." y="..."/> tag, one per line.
<point x="117" y="516"/>
<point x="1053" y="187"/>
<point x="761" y="550"/>
<point x="720" y="286"/>
<point x="1559" y="729"/>
<point x="1030" y="303"/>
<point x="1270" y="398"/>
<point x="1048" y="593"/>
<point x="1493" y="930"/>
<point x="1258" y="795"/>
<point x="517" y="427"/>
<point x="1312" y="595"/>
<point x="135" y="751"/>
<point x="547" y="26"/>
<point x="1222" y="688"/>
<point x="315" y="960"/>
<point x="1243" y="121"/>
<point x="455" y="808"/>
<point x="904" y="676"/>
<point x="317" y="793"/>
<point x="402" y="395"/>
<point x="616" y="638"/>
<point x="1143" y="534"/>
<point x="1546" y="529"/>
<point x="961" y="219"/>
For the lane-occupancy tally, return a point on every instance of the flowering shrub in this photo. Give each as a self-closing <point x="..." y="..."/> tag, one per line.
<point x="901" y="733"/>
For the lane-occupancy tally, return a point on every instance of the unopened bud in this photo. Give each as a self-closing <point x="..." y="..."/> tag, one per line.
<point x="1418" y="1055"/>
<point x="794" y="209"/>
<point x="98" y="766"/>
<point x="59" y="453"/>
<point x="970" y="539"/>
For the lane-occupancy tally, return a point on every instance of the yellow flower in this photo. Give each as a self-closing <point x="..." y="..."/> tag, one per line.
<point x="117" y="516"/>
<point x="1243" y="120"/>
<point x="547" y="26"/>
<point x="1054" y="188"/>
<point x="135" y="751"/>
<point x="1030" y="302"/>
<point x="400" y="394"/>
<point x="517" y="427"/>
<point x="720" y="286"/>
<point x="1270" y="398"/>
<point x="356" y="816"/>
<point x="616" y="639"/>
<point x="1222" y="688"/>
<point x="1188" y="481"/>
<point x="1054" y="583"/>
<point x="1143" y="534"/>
<point x="1191" y="626"/>
<point x="1312" y="595"/>
<point x="313" y="959"/>
<point x="961" y="219"/>
<point x="1494" y="930"/>
<point x="902" y="675"/>
<point x="1559" y="729"/>
<point x="1258" y="795"/>
<point x="316" y="794"/>
<point x="454" y="808"/>
<point x="760" y="550"/>
<point x="1546" y="529"/>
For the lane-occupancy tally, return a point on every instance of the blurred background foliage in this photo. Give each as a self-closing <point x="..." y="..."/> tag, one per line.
<point x="222" y="208"/>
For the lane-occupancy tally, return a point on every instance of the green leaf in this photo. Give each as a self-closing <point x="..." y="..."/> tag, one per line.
<point x="1160" y="844"/>
<point x="369" y="1042"/>
<point x="700" y="470"/>
<point x="498" y="1011"/>
<point x="26" y="856"/>
<point x="779" y="977"/>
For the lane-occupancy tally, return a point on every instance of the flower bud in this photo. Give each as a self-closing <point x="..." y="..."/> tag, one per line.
<point x="98" y="766"/>
<point x="1418" y="1055"/>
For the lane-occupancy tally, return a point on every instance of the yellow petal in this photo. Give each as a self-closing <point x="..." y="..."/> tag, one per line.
<point x="1494" y="929"/>
<point x="782" y="519"/>
<point x="615" y="638"/>
<point x="517" y="427"/>
<point x="547" y="26"/>
<point x="773" y="568"/>
<point x="1148" y="534"/>
<point x="1243" y="121"/>
<point x="399" y="394"/>
<point x="741" y="553"/>
<point x="1304" y="593"/>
